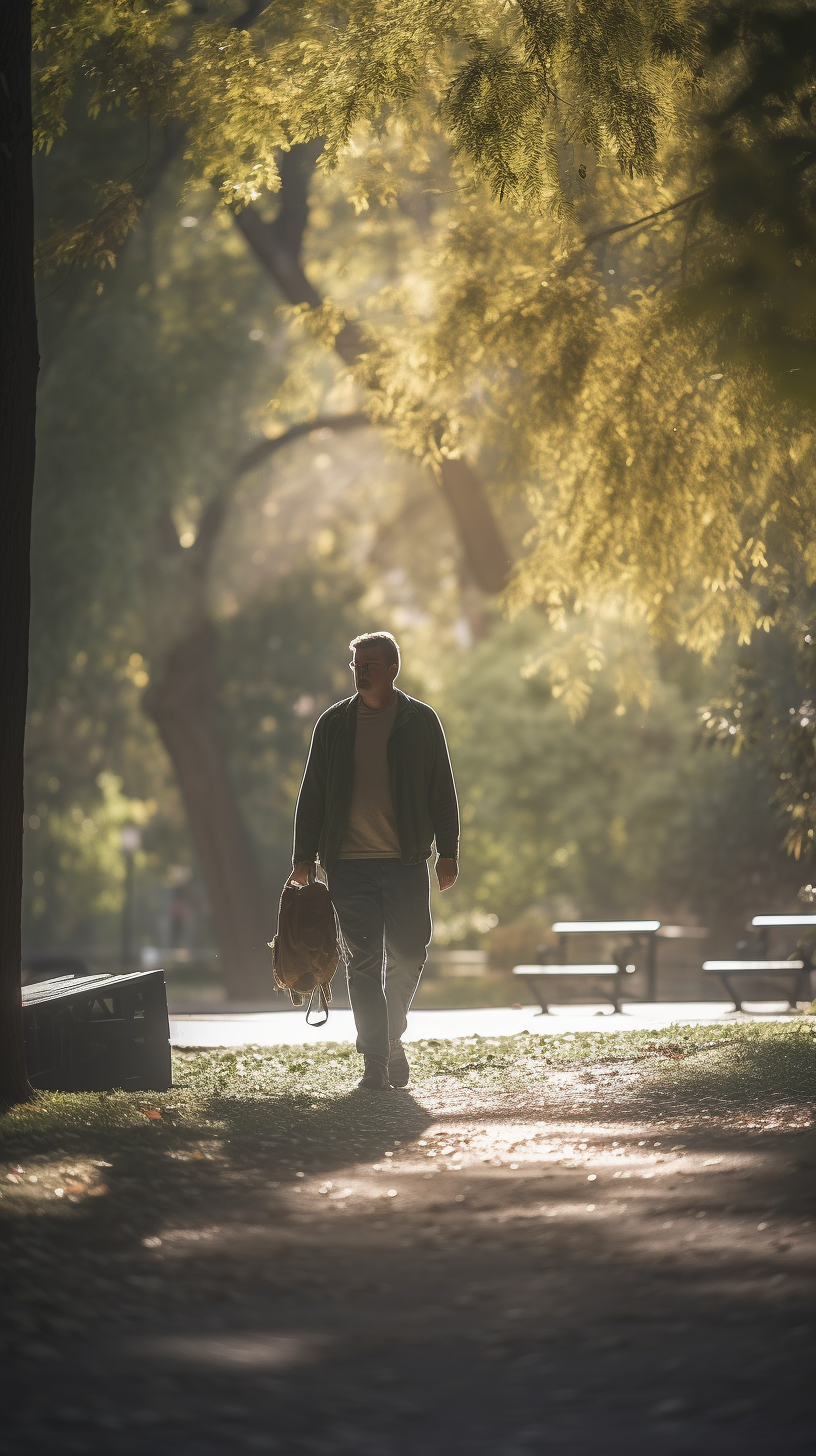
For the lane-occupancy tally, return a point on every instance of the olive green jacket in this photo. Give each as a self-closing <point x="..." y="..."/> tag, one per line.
<point x="422" y="788"/>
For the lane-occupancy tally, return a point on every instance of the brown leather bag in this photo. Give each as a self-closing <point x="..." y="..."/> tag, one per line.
<point x="306" y="948"/>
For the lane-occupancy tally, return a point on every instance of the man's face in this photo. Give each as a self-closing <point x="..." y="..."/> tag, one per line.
<point x="369" y="668"/>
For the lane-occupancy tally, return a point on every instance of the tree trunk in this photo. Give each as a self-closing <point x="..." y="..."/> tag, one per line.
<point x="19" y="363"/>
<point x="182" y="702"/>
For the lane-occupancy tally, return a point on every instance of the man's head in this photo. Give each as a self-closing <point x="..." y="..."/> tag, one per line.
<point x="375" y="662"/>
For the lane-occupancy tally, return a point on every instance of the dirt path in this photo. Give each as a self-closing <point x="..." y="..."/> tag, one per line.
<point x="606" y="1258"/>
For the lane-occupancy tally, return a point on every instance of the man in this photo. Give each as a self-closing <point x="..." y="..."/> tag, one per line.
<point x="377" y="791"/>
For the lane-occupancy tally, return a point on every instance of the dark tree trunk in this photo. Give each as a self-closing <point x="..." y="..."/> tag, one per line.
<point x="19" y="362"/>
<point x="182" y="701"/>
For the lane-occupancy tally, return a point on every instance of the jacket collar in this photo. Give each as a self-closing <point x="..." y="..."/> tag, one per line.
<point x="405" y="708"/>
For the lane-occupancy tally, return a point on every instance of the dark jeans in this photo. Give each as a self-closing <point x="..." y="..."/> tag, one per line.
<point x="384" y="911"/>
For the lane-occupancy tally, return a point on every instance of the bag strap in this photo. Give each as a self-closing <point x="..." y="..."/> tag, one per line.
<point x="323" y="1005"/>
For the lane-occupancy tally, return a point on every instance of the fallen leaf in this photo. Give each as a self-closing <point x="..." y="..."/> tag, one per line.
<point x="153" y="1113"/>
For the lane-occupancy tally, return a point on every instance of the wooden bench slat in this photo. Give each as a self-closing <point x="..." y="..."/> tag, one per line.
<point x="769" y="920"/>
<point x="606" y="927"/>
<point x="61" y="987"/>
<point x="567" y="970"/>
<point x="753" y="967"/>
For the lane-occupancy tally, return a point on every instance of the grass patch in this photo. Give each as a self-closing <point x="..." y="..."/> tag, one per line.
<point x="779" y="1054"/>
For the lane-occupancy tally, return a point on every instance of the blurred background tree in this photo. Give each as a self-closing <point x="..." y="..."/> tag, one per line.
<point x="209" y="535"/>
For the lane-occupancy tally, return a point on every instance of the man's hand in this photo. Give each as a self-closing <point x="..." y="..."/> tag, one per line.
<point x="446" y="872"/>
<point x="300" y="874"/>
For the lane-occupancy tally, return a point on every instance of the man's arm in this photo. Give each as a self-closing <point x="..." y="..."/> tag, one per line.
<point x="444" y="810"/>
<point x="310" y="810"/>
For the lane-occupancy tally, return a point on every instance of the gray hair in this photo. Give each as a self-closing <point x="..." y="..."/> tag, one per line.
<point x="387" y="644"/>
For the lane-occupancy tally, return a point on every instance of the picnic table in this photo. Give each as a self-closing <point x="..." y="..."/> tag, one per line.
<point x="97" y="1033"/>
<point x="795" y="970"/>
<point x="610" y="974"/>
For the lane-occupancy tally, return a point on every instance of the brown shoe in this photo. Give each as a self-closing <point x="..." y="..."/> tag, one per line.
<point x="399" y="1072"/>
<point x="375" y="1076"/>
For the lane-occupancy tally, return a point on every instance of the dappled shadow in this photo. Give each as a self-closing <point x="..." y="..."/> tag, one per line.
<point x="318" y="1135"/>
<point x="168" y="1166"/>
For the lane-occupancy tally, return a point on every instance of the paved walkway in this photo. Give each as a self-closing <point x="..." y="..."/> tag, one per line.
<point x="288" y="1028"/>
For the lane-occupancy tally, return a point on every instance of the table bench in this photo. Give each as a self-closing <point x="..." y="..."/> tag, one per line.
<point x="794" y="971"/>
<point x="641" y="932"/>
<point x="539" y="985"/>
<point x="98" y="1033"/>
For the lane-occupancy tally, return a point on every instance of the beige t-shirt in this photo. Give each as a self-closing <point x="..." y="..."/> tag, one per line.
<point x="371" y="832"/>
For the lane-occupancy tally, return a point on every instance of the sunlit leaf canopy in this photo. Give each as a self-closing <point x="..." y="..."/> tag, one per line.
<point x="509" y="82"/>
<point x="631" y="413"/>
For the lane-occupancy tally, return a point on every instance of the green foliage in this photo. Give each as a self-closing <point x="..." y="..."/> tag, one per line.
<point x="758" y="289"/>
<point x="594" y="393"/>
<point x="652" y="472"/>
<point x="515" y="86"/>
<point x="768" y="716"/>
<point x="92" y="243"/>
<point x="81" y="868"/>
<point x="82" y="747"/>
<point x="148" y="396"/>
<point x="568" y="79"/>
<point x="617" y="814"/>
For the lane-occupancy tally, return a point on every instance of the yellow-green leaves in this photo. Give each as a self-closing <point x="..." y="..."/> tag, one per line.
<point x="525" y="91"/>
<point x="93" y="243"/>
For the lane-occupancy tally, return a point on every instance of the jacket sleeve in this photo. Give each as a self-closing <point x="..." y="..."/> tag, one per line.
<point x="443" y="805"/>
<point x="310" y="810"/>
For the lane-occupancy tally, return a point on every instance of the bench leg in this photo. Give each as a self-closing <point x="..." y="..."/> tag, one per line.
<point x="545" y="1010"/>
<point x="731" y="992"/>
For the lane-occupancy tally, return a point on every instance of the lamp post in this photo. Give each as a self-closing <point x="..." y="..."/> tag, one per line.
<point x="130" y="839"/>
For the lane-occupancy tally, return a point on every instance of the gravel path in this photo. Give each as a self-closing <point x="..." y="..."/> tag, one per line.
<point x="611" y="1256"/>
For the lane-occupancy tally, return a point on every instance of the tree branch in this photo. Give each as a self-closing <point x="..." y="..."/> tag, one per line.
<point x="262" y="449"/>
<point x="623" y="227"/>
<point x="250" y="15"/>
<point x="212" y="518"/>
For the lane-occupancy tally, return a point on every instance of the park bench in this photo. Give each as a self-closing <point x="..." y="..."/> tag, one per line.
<point x="795" y="970"/>
<point x="97" y="1033"/>
<point x="540" y="980"/>
<point x="610" y="974"/>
